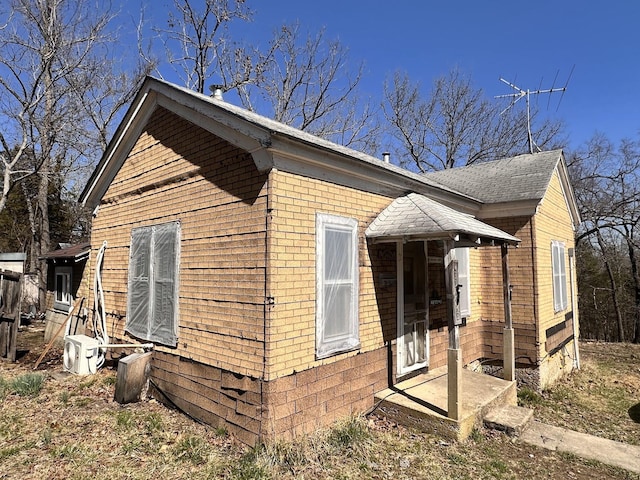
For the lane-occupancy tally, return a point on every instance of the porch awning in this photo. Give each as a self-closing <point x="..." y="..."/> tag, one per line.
<point x="72" y="253"/>
<point x="415" y="216"/>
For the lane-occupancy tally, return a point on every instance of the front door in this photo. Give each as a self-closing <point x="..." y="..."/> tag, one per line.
<point x="413" y="307"/>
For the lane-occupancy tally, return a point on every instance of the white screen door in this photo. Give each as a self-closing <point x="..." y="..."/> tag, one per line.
<point x="413" y="310"/>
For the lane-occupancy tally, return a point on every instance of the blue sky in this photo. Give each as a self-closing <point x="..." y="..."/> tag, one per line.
<point x="525" y="42"/>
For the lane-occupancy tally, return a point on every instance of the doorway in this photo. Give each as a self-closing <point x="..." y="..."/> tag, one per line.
<point x="413" y="307"/>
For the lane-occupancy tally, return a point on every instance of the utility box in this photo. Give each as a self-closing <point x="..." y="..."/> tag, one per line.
<point x="80" y="354"/>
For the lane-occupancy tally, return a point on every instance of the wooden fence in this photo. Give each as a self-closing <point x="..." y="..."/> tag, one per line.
<point x="10" y="297"/>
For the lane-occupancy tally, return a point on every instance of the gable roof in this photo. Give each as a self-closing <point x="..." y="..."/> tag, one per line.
<point x="521" y="181"/>
<point x="271" y="144"/>
<point x="501" y="188"/>
<point x="415" y="216"/>
<point x="524" y="177"/>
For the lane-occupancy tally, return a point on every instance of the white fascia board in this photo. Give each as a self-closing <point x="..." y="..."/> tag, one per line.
<point x="118" y="149"/>
<point x="294" y="157"/>
<point x="226" y="126"/>
<point x="525" y="208"/>
<point x="567" y="192"/>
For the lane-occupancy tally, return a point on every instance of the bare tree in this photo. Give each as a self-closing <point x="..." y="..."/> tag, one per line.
<point x="306" y="82"/>
<point x="197" y="42"/>
<point x="302" y="81"/>
<point x="58" y="100"/>
<point x="455" y="125"/>
<point x="607" y="181"/>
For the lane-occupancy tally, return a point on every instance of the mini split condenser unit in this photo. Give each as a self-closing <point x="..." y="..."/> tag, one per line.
<point x="80" y="354"/>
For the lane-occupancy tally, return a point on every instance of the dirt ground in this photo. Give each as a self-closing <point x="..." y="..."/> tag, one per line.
<point x="73" y="429"/>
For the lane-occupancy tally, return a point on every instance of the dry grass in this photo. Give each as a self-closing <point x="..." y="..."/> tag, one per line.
<point x="602" y="399"/>
<point x="73" y="429"/>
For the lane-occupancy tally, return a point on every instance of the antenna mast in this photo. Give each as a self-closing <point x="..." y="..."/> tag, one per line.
<point x="519" y="93"/>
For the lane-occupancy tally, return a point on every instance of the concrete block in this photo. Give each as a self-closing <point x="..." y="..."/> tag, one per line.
<point x="511" y="419"/>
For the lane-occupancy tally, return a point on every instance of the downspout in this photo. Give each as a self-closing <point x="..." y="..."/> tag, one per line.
<point x="574" y="309"/>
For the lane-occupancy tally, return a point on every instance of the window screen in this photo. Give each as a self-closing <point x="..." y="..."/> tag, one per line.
<point x="337" y="284"/>
<point x="559" y="276"/>
<point x="152" y="302"/>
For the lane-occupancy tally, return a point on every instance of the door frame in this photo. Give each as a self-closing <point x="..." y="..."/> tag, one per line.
<point x="400" y="369"/>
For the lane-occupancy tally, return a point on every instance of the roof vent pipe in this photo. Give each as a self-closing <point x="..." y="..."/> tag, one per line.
<point x="216" y="91"/>
<point x="386" y="156"/>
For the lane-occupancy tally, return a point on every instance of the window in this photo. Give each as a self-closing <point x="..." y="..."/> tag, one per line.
<point x="559" y="276"/>
<point x="62" y="298"/>
<point x="336" y="285"/>
<point x="464" y="298"/>
<point x="152" y="301"/>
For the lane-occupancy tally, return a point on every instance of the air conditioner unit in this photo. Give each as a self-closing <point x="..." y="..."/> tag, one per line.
<point x="80" y="354"/>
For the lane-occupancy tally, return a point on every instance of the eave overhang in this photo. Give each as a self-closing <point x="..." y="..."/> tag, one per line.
<point x="73" y="254"/>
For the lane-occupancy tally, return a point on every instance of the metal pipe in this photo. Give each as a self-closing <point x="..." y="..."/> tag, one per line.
<point x="127" y="345"/>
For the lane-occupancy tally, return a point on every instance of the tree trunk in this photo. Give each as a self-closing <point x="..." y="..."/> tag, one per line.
<point x="636" y="287"/>
<point x="614" y="291"/>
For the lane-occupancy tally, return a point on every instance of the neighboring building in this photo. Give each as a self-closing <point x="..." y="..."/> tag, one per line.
<point x="285" y="279"/>
<point x="13" y="262"/>
<point x="66" y="266"/>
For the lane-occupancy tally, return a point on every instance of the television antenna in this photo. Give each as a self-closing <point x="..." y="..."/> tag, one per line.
<point x="520" y="93"/>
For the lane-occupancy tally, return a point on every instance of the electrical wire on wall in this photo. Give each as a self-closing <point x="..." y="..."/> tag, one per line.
<point x="99" y="312"/>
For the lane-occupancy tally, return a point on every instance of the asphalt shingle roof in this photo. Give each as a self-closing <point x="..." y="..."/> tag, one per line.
<point x="524" y="177"/>
<point x="417" y="215"/>
<point x="74" y="252"/>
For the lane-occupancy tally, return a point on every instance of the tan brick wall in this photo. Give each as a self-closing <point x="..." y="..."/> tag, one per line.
<point x="551" y="223"/>
<point x="292" y="243"/>
<point x="482" y="336"/>
<point x="178" y="171"/>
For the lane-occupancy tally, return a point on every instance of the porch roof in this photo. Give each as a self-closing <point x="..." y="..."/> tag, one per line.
<point x="76" y="253"/>
<point x="415" y="216"/>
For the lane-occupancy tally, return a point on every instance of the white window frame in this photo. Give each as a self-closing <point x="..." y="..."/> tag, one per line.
<point x="464" y="280"/>
<point x="143" y="319"/>
<point x="62" y="274"/>
<point x="559" y="272"/>
<point x="348" y="339"/>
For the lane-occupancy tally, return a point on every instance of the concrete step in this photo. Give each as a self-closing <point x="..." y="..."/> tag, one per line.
<point x="510" y="419"/>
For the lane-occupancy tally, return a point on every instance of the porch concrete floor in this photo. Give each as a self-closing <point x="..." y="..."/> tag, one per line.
<point x="421" y="402"/>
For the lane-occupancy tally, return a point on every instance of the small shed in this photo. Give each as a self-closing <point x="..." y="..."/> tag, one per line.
<point x="66" y="266"/>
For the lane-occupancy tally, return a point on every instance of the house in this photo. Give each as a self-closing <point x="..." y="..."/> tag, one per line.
<point x="66" y="266"/>
<point x="285" y="279"/>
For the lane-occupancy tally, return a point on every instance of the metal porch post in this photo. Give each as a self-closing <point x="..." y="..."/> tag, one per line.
<point x="454" y="352"/>
<point x="508" y="334"/>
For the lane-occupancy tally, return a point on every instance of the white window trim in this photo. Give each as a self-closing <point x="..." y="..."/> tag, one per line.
<point x="326" y="347"/>
<point x="464" y="279"/>
<point x="67" y="273"/>
<point x="559" y="276"/>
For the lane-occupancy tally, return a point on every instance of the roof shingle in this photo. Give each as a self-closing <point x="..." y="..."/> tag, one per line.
<point x="524" y="177"/>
